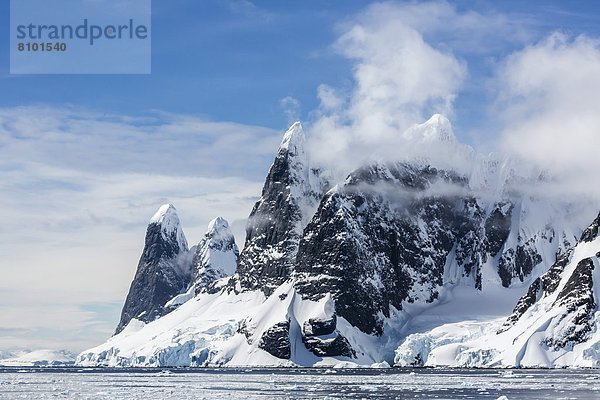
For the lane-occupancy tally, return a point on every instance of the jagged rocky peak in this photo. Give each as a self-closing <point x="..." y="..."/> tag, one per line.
<point x="164" y="270"/>
<point x="216" y="255"/>
<point x="291" y="193"/>
<point x="562" y="302"/>
<point x="166" y="217"/>
<point x="343" y="263"/>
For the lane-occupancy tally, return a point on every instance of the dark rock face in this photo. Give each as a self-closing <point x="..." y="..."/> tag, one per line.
<point x="470" y="245"/>
<point x="380" y="240"/>
<point x="335" y="346"/>
<point x="551" y="279"/>
<point x="518" y="262"/>
<point x="385" y="236"/>
<point x="159" y="276"/>
<point x="497" y="227"/>
<point x="276" y="340"/>
<point x="275" y="224"/>
<point x="578" y="297"/>
<point x="591" y="232"/>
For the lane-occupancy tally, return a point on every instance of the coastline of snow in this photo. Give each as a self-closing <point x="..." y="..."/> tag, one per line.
<point x="222" y="329"/>
<point x="37" y="358"/>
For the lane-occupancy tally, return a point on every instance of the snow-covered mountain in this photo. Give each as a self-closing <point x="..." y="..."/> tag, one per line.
<point x="37" y="358"/>
<point x="371" y="269"/>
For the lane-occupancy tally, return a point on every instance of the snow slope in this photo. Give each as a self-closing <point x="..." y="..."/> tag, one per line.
<point x="555" y="324"/>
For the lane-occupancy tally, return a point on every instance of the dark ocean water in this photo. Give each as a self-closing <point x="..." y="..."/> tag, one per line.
<point x="301" y="383"/>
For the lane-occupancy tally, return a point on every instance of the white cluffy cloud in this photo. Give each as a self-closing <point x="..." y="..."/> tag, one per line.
<point x="549" y="105"/>
<point x="291" y="108"/>
<point x="399" y="80"/>
<point x="409" y="62"/>
<point x="78" y="189"/>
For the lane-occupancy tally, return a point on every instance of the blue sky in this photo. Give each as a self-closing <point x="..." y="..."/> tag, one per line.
<point x="224" y="59"/>
<point x="235" y="60"/>
<point x="85" y="160"/>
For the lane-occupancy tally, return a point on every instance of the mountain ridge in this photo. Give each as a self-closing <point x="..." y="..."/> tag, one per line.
<point x="349" y="272"/>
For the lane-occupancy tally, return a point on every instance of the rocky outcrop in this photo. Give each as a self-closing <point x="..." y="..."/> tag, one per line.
<point x="334" y="346"/>
<point x="319" y="326"/>
<point x="320" y="336"/>
<point x="497" y="227"/>
<point x="276" y="340"/>
<point x="518" y="262"/>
